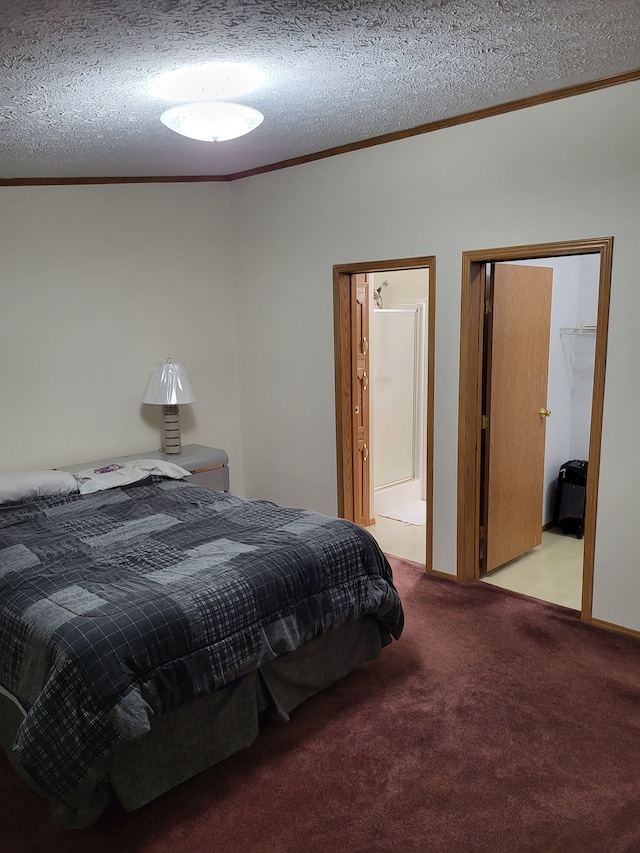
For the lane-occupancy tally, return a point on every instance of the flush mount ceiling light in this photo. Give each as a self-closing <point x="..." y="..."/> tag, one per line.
<point x="211" y="121"/>
<point x="207" y="82"/>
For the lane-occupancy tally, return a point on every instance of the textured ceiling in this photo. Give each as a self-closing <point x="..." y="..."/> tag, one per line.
<point x="74" y="74"/>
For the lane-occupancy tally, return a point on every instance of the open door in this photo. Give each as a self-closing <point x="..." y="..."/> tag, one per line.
<point x="471" y="408"/>
<point x="361" y="373"/>
<point x="351" y="319"/>
<point x="517" y="346"/>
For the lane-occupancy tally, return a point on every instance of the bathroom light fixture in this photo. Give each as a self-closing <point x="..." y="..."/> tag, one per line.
<point x="169" y="387"/>
<point x="207" y="82"/>
<point x="211" y="121"/>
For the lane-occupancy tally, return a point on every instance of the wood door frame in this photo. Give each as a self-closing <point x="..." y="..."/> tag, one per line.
<point x="470" y="398"/>
<point x="343" y="354"/>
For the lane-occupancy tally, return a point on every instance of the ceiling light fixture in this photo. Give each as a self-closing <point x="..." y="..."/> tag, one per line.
<point x="211" y="121"/>
<point x="207" y="82"/>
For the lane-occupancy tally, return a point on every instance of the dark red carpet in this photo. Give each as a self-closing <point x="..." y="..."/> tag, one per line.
<point x="497" y="723"/>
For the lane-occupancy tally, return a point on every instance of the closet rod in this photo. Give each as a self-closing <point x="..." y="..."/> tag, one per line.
<point x="578" y="330"/>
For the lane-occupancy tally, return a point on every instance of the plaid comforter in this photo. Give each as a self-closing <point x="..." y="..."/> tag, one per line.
<point x="120" y="606"/>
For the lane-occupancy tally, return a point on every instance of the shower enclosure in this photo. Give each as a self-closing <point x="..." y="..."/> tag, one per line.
<point x="398" y="418"/>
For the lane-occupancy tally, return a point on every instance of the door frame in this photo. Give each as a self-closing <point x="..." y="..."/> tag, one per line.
<point x="470" y="398"/>
<point x="344" y="344"/>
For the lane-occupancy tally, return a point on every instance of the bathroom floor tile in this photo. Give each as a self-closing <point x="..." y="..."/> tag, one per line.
<point x="551" y="572"/>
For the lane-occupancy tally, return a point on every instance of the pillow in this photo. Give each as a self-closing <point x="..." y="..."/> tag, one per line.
<point x="162" y="468"/>
<point x="124" y="473"/>
<point x="24" y="485"/>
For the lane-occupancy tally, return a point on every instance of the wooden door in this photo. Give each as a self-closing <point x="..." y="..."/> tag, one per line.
<point x="518" y="335"/>
<point x="360" y="384"/>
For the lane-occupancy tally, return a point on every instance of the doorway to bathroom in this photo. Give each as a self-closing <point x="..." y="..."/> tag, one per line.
<point x="384" y="342"/>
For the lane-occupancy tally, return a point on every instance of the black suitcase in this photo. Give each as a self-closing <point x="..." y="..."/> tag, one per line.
<point x="571" y="495"/>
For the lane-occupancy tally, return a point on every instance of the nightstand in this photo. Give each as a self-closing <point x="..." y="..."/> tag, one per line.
<point x="209" y="466"/>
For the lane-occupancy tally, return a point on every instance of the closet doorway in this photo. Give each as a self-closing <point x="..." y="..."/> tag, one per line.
<point x="384" y="339"/>
<point x="482" y="451"/>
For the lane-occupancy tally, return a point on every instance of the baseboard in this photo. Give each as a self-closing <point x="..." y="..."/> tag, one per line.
<point x="447" y="575"/>
<point x="610" y="626"/>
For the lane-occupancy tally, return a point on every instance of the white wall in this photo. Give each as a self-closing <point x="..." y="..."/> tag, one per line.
<point x="97" y="284"/>
<point x="559" y="171"/>
<point x="402" y="286"/>
<point x="584" y="356"/>
<point x="88" y="289"/>
<point x="559" y="397"/>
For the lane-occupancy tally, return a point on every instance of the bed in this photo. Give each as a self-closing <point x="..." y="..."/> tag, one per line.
<point x="146" y="627"/>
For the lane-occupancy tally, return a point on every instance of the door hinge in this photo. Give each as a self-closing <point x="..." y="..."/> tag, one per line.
<point x="488" y="306"/>
<point x="483" y="532"/>
<point x="485" y="421"/>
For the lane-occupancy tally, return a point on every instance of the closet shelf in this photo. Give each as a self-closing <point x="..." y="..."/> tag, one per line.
<point x="568" y="336"/>
<point x="578" y="330"/>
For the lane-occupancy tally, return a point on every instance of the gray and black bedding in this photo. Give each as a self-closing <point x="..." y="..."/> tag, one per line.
<point x="121" y="606"/>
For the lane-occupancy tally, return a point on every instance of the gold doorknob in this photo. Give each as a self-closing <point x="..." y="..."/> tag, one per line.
<point x="544" y="413"/>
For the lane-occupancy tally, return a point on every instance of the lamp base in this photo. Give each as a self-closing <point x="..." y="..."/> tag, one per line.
<point x="171" y="429"/>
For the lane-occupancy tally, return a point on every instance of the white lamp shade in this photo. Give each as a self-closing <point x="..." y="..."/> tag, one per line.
<point x="169" y="386"/>
<point x="211" y="121"/>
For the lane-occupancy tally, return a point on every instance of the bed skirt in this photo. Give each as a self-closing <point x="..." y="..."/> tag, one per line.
<point x="199" y="735"/>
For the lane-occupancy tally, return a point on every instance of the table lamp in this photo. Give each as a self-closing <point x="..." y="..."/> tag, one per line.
<point x="170" y="387"/>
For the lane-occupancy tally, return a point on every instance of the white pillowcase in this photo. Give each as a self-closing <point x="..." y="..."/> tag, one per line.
<point x="24" y="485"/>
<point x="162" y="468"/>
<point x="123" y="474"/>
